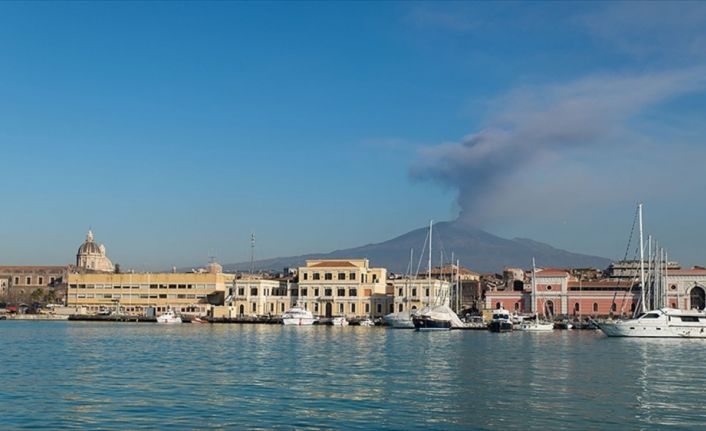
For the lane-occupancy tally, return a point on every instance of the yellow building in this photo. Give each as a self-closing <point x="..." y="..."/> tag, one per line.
<point x="134" y="293"/>
<point x="342" y="287"/>
<point x="415" y="293"/>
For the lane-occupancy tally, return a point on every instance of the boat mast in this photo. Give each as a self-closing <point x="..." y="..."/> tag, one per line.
<point x="642" y="260"/>
<point x="429" y="263"/>
<point x="534" y="290"/>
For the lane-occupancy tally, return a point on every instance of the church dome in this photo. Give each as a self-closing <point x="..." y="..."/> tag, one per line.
<point x="89" y="246"/>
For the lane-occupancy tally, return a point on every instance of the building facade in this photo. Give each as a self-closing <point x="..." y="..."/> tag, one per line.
<point x="136" y="293"/>
<point x="33" y="283"/>
<point x="416" y="293"/>
<point x="257" y="296"/>
<point x="343" y="287"/>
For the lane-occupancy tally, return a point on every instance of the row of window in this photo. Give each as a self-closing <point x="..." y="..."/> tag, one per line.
<point x="329" y="276"/>
<point x="40" y="280"/>
<point x="143" y="286"/>
<point x="143" y="296"/>
<point x="254" y="291"/>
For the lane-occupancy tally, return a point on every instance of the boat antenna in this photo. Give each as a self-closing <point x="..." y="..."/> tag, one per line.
<point x="252" y="253"/>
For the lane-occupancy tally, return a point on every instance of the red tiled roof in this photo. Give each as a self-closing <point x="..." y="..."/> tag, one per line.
<point x="550" y="272"/>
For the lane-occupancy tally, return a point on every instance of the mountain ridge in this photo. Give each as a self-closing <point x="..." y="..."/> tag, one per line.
<point x="476" y="249"/>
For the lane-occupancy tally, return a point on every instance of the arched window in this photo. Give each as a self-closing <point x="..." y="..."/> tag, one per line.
<point x="401" y="307"/>
<point x="577" y="307"/>
<point x="517" y="306"/>
<point x="613" y="307"/>
<point x="595" y="307"/>
<point x="697" y="297"/>
<point x="498" y="305"/>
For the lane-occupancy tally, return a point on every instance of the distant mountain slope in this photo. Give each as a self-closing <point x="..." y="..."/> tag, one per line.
<point x="476" y="249"/>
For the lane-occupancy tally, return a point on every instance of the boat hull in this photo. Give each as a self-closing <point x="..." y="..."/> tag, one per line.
<point x="643" y="331"/>
<point x="421" y="324"/>
<point x="298" y="321"/>
<point x="537" y="327"/>
<point x="500" y="326"/>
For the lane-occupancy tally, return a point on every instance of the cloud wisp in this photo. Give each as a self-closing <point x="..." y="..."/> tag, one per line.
<point x="548" y="122"/>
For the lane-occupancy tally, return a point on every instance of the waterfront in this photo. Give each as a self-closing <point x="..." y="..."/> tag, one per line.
<point x="85" y="375"/>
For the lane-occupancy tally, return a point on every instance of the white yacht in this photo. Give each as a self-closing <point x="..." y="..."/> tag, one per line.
<point x="367" y="322"/>
<point x="535" y="325"/>
<point x="501" y="321"/>
<point x="169" y="317"/>
<point x="339" y="321"/>
<point x="664" y="322"/>
<point x="401" y="320"/>
<point x="298" y="316"/>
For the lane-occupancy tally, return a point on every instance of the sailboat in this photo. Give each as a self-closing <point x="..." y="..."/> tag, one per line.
<point x="660" y="322"/>
<point x="402" y="319"/>
<point x="536" y="325"/>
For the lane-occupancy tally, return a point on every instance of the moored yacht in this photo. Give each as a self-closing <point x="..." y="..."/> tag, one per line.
<point x="501" y="321"/>
<point x="339" y="321"/>
<point x="430" y="319"/>
<point x="297" y="316"/>
<point x="169" y="317"/>
<point x="401" y="320"/>
<point x="662" y="323"/>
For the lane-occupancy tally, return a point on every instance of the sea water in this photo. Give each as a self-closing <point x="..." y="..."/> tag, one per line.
<point x="85" y="375"/>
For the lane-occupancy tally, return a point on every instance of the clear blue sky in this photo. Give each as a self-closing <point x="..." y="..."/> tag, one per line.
<point x="175" y="129"/>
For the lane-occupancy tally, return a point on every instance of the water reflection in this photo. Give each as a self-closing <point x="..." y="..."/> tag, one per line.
<point x="139" y="376"/>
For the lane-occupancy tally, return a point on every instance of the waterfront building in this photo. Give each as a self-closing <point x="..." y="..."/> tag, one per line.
<point x="32" y="283"/>
<point x="136" y="293"/>
<point x="560" y="293"/>
<point x="343" y="287"/>
<point x="91" y="256"/>
<point x="259" y="296"/>
<point x="416" y="293"/>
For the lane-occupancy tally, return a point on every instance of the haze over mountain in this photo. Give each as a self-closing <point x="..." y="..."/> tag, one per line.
<point x="476" y="249"/>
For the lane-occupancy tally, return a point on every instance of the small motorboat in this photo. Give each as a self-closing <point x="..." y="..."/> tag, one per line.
<point x="501" y="321"/>
<point x="367" y="322"/>
<point x="339" y="321"/>
<point x="198" y="320"/>
<point x="169" y="317"/>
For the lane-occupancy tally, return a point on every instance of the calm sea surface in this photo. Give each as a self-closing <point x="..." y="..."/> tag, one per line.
<point x="81" y="375"/>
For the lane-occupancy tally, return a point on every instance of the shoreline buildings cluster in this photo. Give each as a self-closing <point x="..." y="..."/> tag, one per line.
<point x="338" y="287"/>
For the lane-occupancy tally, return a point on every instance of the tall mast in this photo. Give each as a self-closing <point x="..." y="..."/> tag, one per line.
<point x="534" y="289"/>
<point x="429" y="263"/>
<point x="642" y="259"/>
<point x="252" y="253"/>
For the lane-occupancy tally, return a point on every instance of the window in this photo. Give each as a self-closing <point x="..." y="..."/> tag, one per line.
<point x="613" y="307"/>
<point x="241" y="291"/>
<point x="41" y="280"/>
<point x="517" y="306"/>
<point x="341" y="292"/>
<point x="367" y="308"/>
<point x="673" y="287"/>
<point x="51" y="280"/>
<point x="498" y="305"/>
<point x="651" y="316"/>
<point x="28" y="280"/>
<point x="306" y="276"/>
<point x="17" y="280"/>
<point x="317" y="276"/>
<point x="340" y="308"/>
<point x="689" y="318"/>
<point x="272" y="307"/>
<point x="595" y="307"/>
<point x="316" y="292"/>
<point x="414" y="291"/>
<point x="295" y="292"/>
<point x="352" y="308"/>
<point x="328" y="292"/>
<point x="304" y="292"/>
<point x="401" y="307"/>
<point x="316" y="307"/>
<point x="353" y="292"/>
<point x="577" y="307"/>
<point x="341" y="275"/>
<point x="328" y="276"/>
<point x="253" y="291"/>
<point x="426" y="292"/>
<point x="281" y="308"/>
<point x="254" y="307"/>
<point x="400" y="292"/>
<point x="375" y="278"/>
<point x="549" y="287"/>
<point x="351" y="276"/>
<point x="379" y="308"/>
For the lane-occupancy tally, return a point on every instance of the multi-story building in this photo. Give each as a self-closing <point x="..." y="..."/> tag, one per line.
<point x="343" y="287"/>
<point x="27" y="283"/>
<point x="415" y="293"/>
<point x="135" y="293"/>
<point x="259" y="296"/>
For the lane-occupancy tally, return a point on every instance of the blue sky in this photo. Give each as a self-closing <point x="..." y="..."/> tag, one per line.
<point x="176" y="129"/>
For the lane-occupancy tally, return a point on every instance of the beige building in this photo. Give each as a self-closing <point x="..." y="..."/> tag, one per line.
<point x="342" y="287"/>
<point x="415" y="293"/>
<point x="135" y="293"/>
<point x="21" y="283"/>
<point x="256" y="296"/>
